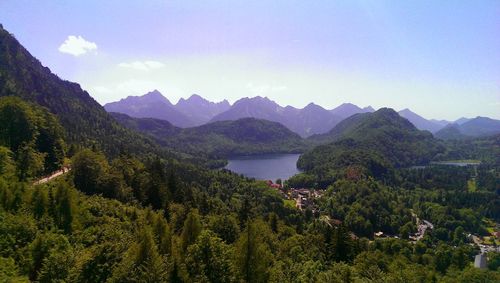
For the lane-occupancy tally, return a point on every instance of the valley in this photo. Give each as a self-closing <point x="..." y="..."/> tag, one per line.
<point x="145" y="189"/>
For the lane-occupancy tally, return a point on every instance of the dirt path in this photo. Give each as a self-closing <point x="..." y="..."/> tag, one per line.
<point x="52" y="176"/>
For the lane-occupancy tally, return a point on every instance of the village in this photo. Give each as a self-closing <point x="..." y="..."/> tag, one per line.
<point x="306" y="199"/>
<point x="303" y="198"/>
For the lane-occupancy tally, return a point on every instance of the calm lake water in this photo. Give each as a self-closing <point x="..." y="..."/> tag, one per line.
<point x="265" y="166"/>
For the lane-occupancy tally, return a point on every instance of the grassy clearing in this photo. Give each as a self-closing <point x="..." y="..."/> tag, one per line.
<point x="289" y="203"/>
<point x="471" y="185"/>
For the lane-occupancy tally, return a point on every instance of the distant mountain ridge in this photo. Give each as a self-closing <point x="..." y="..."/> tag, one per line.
<point x="477" y="127"/>
<point x="348" y="109"/>
<point x="310" y="121"/>
<point x="200" y="110"/>
<point x="190" y="112"/>
<point x="420" y="122"/>
<point x="151" y="105"/>
<point x="196" y="111"/>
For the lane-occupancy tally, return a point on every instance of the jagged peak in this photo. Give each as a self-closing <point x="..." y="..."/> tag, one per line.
<point x="347" y="104"/>
<point x="195" y="96"/>
<point x="386" y="111"/>
<point x="154" y="92"/>
<point x="313" y="105"/>
<point x="254" y="99"/>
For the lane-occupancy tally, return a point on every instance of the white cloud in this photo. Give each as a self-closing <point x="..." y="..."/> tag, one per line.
<point x="142" y="65"/>
<point x="77" y="45"/>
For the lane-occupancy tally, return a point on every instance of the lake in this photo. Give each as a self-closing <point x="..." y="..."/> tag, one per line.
<point x="265" y="166"/>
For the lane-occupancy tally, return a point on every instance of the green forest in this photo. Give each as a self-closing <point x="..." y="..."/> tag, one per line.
<point x="214" y="142"/>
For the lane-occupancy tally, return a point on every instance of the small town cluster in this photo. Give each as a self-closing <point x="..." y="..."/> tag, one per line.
<point x="306" y="199"/>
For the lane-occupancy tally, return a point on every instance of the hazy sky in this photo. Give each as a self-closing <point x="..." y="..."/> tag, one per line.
<point x="438" y="58"/>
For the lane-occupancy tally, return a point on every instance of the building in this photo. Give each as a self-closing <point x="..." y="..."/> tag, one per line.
<point x="480" y="261"/>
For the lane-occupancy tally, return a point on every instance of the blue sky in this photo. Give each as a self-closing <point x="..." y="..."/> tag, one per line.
<point x="439" y="58"/>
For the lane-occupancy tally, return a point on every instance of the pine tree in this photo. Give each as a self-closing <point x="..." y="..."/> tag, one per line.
<point x="151" y="265"/>
<point x="39" y="203"/>
<point x="163" y="235"/>
<point x="157" y="190"/>
<point x="191" y="229"/>
<point x="341" y="244"/>
<point x="252" y="256"/>
<point x="65" y="207"/>
<point x="209" y="259"/>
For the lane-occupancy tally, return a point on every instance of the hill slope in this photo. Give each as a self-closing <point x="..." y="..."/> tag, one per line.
<point x="85" y="121"/>
<point x="345" y="126"/>
<point x="374" y="141"/>
<point x="220" y="139"/>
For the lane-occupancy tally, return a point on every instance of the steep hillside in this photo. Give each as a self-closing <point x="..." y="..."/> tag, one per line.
<point x="345" y="126"/>
<point x="375" y="142"/>
<point x="85" y="121"/>
<point x="220" y="139"/>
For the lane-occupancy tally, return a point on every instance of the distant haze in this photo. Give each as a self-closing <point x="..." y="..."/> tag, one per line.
<point x="439" y="58"/>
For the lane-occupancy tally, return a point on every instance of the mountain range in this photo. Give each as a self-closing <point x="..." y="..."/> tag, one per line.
<point x="308" y="121"/>
<point x="190" y="112"/>
<point x="195" y="111"/>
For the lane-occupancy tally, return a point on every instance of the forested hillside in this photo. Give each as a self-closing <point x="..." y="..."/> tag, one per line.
<point x="370" y="144"/>
<point x="85" y="121"/>
<point x="31" y="136"/>
<point x="220" y="139"/>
